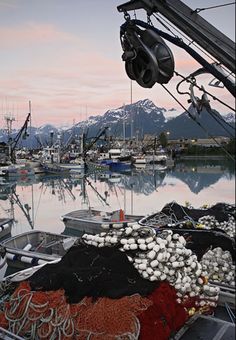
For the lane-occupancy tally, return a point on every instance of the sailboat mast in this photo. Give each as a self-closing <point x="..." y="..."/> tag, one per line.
<point x="124" y="124"/>
<point x="131" y="113"/>
<point x="30" y="113"/>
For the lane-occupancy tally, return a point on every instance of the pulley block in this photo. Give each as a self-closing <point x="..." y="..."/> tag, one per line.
<point x="148" y="59"/>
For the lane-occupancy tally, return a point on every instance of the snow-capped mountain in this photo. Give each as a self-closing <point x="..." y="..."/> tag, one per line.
<point x="133" y="119"/>
<point x="136" y="120"/>
<point x="229" y="117"/>
<point x="171" y="114"/>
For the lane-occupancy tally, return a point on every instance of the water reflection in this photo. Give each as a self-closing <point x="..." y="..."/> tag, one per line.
<point x="38" y="202"/>
<point x="199" y="175"/>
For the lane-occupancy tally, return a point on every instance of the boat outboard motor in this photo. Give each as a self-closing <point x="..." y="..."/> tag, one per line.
<point x="148" y="59"/>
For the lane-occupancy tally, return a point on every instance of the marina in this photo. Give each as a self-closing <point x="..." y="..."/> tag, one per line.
<point x="99" y="208"/>
<point x="117" y="199"/>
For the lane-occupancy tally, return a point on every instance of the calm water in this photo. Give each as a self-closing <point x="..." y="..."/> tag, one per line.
<point x="38" y="202"/>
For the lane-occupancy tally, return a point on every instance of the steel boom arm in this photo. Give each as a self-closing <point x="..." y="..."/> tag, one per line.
<point x="192" y="24"/>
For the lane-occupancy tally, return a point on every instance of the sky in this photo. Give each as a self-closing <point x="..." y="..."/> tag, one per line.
<point x="65" y="57"/>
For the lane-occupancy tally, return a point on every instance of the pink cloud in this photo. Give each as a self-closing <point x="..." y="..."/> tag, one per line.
<point x="31" y="33"/>
<point x="7" y="4"/>
<point x="61" y="87"/>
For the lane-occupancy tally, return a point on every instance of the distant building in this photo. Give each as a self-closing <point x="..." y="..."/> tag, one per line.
<point x="184" y="143"/>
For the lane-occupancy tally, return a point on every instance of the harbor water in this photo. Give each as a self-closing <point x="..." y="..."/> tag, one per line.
<point x="39" y="201"/>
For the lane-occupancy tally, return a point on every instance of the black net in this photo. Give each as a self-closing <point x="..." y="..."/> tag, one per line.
<point x="91" y="271"/>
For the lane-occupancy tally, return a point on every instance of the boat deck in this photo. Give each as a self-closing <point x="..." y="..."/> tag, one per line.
<point x="206" y="327"/>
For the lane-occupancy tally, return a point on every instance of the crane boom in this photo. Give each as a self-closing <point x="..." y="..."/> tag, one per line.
<point x="89" y="146"/>
<point x="192" y="24"/>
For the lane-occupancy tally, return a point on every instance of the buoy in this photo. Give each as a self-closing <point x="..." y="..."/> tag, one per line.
<point x="27" y="247"/>
<point x="121" y="215"/>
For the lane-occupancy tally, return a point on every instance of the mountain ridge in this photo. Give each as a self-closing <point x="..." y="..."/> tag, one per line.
<point x="136" y="120"/>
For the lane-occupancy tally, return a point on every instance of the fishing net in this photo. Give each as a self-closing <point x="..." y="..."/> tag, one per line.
<point x="98" y="293"/>
<point x="96" y="272"/>
<point x="220" y="211"/>
<point x="108" y="319"/>
<point x="203" y="229"/>
<point x="47" y="315"/>
<point x="200" y="241"/>
<point x="174" y="213"/>
<point x="164" y="317"/>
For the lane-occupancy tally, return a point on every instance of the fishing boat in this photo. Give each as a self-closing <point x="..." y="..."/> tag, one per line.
<point x="36" y="247"/>
<point x="94" y="221"/>
<point x="77" y="166"/>
<point x="53" y="161"/>
<point x="3" y="257"/>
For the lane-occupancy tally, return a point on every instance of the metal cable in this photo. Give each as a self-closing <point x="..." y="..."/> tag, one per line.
<point x="179" y="42"/>
<point x="206" y="92"/>
<point x="176" y="9"/>
<point x="198" y="123"/>
<point x="197" y="10"/>
<point x="215" y="117"/>
<point x="191" y="42"/>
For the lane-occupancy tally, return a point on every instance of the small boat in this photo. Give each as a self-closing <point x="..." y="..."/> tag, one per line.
<point x="36" y="247"/>
<point x="116" y="165"/>
<point x="139" y="160"/>
<point x="4" y="169"/>
<point x="16" y="171"/>
<point x="94" y="221"/>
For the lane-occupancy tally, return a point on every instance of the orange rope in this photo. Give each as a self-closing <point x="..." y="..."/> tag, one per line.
<point x="111" y="317"/>
<point x="47" y="315"/>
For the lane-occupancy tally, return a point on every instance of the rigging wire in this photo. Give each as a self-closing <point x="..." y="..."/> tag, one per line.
<point x="165" y="22"/>
<point x="224" y="121"/>
<point x="195" y="22"/>
<point x="198" y="123"/>
<point x="37" y="208"/>
<point x="200" y="88"/>
<point x="180" y="43"/>
<point x="215" y="117"/>
<point x="197" y="10"/>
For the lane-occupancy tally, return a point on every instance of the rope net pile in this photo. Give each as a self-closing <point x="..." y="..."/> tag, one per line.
<point x="127" y="283"/>
<point x="220" y="216"/>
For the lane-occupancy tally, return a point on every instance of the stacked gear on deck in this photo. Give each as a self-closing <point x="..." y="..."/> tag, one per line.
<point x="219" y="217"/>
<point x="140" y="283"/>
<point x="47" y="315"/>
